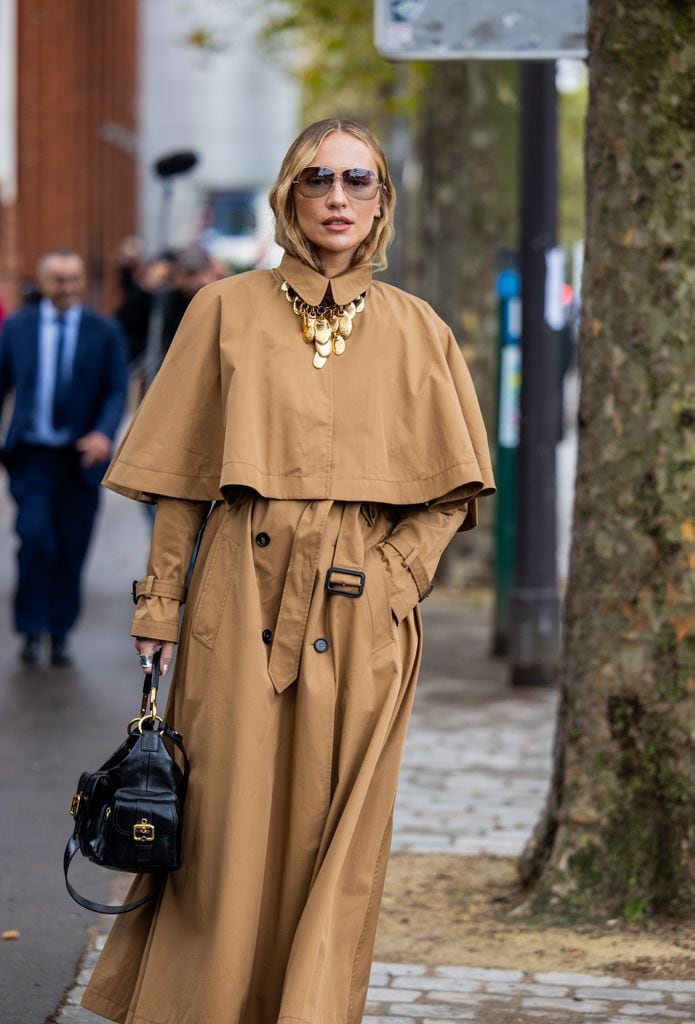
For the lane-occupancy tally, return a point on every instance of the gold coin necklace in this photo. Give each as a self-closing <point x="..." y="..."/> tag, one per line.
<point x="326" y="326"/>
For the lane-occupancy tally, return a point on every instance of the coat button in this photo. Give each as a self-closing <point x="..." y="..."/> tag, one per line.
<point x="267" y="636"/>
<point x="262" y="539"/>
<point x="321" y="645"/>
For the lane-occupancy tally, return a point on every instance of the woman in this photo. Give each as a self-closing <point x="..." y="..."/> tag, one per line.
<point x="336" y="418"/>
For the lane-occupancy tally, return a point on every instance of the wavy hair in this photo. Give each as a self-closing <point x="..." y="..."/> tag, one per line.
<point x="372" y="251"/>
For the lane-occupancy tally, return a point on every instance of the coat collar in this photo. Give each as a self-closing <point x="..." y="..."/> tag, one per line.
<point x="312" y="286"/>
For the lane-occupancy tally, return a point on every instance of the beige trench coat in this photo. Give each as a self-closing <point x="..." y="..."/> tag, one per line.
<point x="293" y="702"/>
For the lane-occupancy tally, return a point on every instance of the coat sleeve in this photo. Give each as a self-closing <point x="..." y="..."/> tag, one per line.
<point x="5" y="370"/>
<point x="177" y="523"/>
<point x="412" y="551"/>
<point x="175" y="444"/>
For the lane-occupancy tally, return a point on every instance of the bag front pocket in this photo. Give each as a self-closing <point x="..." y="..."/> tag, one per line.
<point x="142" y="831"/>
<point x="220" y="566"/>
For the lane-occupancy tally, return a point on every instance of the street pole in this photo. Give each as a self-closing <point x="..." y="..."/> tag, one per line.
<point x="535" y="602"/>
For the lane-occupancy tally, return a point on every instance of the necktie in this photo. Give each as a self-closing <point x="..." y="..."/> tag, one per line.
<point x="62" y="379"/>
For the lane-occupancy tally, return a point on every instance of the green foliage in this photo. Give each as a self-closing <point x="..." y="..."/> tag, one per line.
<point x="330" y="48"/>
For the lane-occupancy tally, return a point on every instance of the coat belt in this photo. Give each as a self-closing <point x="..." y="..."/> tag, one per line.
<point x="301" y="579"/>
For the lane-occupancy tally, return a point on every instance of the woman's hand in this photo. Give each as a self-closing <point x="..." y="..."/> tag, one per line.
<point x="145" y="646"/>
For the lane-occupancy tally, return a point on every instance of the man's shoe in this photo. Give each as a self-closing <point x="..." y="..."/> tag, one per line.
<point x="31" y="651"/>
<point x="60" y="655"/>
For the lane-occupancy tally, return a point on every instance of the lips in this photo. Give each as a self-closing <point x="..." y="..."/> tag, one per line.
<point x="336" y="222"/>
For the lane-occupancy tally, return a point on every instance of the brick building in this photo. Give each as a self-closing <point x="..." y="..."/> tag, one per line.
<point x="68" y="81"/>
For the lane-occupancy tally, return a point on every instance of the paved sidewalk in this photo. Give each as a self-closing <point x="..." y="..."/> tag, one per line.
<point x="474" y="779"/>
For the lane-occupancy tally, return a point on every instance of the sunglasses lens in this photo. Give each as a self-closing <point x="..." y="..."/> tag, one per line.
<point x="314" y="182"/>
<point x="358" y="182"/>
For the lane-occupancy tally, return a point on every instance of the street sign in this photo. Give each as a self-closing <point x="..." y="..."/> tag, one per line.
<point x="480" y="29"/>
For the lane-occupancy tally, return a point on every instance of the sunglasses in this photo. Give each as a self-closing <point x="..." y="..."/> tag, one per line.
<point x="358" y="182"/>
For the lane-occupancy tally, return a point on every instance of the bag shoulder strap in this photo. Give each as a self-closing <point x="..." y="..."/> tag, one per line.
<point x="100" y="908"/>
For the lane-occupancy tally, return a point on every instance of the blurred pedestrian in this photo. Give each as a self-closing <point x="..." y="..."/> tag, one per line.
<point x="325" y="429"/>
<point x="150" y="283"/>
<point x="67" y="369"/>
<point x="156" y="302"/>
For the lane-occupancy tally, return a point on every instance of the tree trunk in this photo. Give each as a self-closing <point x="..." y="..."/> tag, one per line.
<point x="462" y="218"/>
<point x="618" y="836"/>
<point x="467" y="202"/>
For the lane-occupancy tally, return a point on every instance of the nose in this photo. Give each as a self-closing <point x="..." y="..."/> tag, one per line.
<point x="337" y="195"/>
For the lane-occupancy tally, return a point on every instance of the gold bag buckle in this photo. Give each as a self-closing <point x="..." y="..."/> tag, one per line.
<point x="75" y="805"/>
<point x="143" y="832"/>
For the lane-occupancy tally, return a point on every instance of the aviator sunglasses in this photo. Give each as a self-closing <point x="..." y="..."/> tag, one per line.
<point x="358" y="182"/>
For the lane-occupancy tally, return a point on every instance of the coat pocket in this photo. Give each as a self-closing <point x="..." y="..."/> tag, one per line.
<point x="378" y="600"/>
<point x="220" y="568"/>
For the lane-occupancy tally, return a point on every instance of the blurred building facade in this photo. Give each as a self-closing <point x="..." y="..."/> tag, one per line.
<point x="68" y="169"/>
<point x="92" y="93"/>
<point x="207" y="86"/>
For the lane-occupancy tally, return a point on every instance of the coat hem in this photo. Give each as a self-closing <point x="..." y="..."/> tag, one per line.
<point x="107" y="1008"/>
<point x="142" y="482"/>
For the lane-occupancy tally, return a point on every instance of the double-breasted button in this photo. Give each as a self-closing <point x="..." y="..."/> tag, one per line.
<point x="262" y="539"/>
<point x="267" y="636"/>
<point x="321" y="645"/>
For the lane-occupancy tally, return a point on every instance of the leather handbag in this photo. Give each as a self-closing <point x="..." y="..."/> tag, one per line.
<point x="128" y="813"/>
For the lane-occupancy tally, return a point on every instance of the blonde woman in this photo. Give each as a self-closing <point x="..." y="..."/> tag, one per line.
<point x="332" y="422"/>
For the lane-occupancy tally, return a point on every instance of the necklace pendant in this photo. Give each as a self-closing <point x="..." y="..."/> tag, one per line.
<point x="345" y="325"/>
<point x="322" y="330"/>
<point x="309" y="328"/>
<point x="319" y="361"/>
<point x="324" y="348"/>
<point x="359" y="303"/>
<point x="339" y="345"/>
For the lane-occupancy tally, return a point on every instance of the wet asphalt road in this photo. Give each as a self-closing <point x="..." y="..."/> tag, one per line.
<point x="54" y="724"/>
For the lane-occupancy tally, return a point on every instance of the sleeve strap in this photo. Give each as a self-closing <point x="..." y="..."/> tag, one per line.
<point x="411" y="560"/>
<point x="152" y="587"/>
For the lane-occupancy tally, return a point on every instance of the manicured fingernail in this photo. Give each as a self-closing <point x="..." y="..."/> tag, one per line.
<point x="165" y="669"/>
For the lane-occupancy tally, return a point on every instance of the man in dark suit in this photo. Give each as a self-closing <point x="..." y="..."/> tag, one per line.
<point x="67" y="369"/>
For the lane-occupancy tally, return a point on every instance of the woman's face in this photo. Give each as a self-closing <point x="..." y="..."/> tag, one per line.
<point x="337" y="223"/>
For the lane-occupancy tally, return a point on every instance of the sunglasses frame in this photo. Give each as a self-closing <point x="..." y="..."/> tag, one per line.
<point x="339" y="176"/>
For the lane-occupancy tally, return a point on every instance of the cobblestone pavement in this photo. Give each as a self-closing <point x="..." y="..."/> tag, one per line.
<point x="415" y="994"/>
<point x="475" y="774"/>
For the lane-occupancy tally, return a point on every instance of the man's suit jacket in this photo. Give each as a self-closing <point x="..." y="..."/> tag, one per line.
<point x="99" y="385"/>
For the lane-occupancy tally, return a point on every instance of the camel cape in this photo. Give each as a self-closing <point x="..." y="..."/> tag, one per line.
<point x="238" y="402"/>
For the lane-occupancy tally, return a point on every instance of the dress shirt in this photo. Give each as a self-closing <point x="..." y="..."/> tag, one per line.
<point x="42" y="431"/>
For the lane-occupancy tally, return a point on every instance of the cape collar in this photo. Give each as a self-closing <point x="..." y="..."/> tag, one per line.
<point x="312" y="286"/>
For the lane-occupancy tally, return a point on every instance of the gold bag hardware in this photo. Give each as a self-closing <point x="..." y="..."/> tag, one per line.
<point x="143" y="832"/>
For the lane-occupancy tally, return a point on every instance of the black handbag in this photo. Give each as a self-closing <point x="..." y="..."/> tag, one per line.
<point x="128" y="813"/>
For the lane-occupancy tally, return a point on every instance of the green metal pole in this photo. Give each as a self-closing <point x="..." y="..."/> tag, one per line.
<point x="509" y="387"/>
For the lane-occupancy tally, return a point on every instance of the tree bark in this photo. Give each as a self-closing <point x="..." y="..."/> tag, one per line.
<point x="463" y="218"/>
<point x="618" y="835"/>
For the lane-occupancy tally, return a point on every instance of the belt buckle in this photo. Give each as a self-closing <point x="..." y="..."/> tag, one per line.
<point x="345" y="587"/>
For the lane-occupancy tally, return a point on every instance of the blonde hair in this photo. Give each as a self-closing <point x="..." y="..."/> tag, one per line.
<point x="372" y="251"/>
